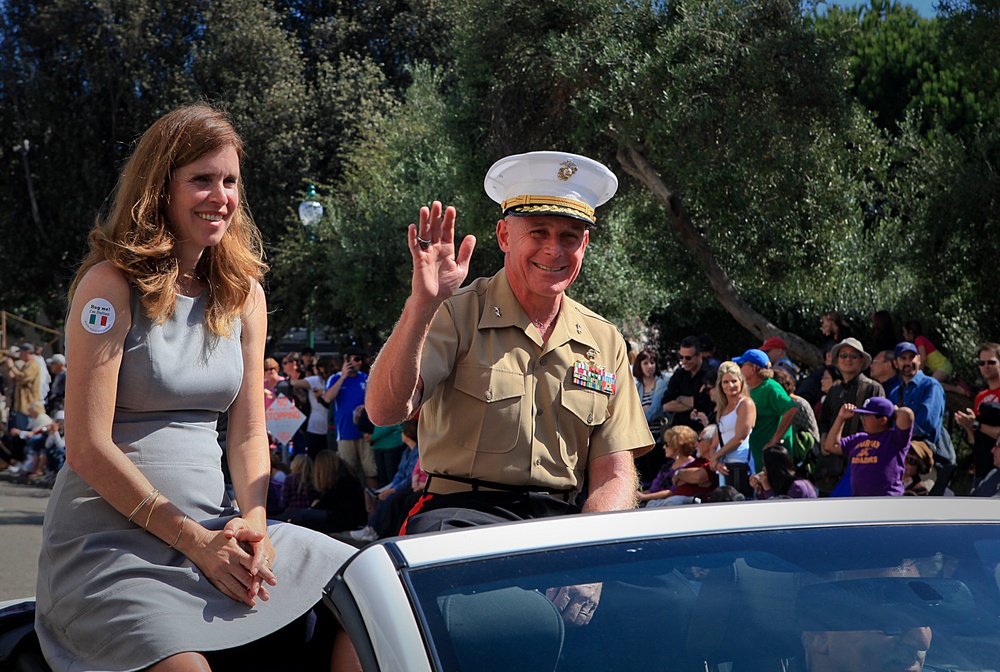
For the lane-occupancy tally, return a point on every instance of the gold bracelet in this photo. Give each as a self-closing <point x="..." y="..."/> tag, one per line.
<point x="150" y="514"/>
<point x="179" y="532"/>
<point x="140" y="505"/>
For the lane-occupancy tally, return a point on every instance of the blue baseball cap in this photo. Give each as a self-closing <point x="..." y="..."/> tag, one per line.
<point x="877" y="406"/>
<point x="906" y="346"/>
<point x="754" y="356"/>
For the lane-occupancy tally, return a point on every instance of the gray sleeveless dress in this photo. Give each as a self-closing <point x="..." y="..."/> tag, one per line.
<point x="113" y="597"/>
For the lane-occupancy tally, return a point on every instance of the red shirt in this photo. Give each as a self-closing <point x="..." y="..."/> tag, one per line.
<point x="992" y="394"/>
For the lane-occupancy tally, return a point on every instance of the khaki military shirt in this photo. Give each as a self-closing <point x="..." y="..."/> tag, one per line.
<point x="502" y="406"/>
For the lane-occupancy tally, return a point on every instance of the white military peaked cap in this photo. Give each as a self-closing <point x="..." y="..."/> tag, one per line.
<point x="550" y="183"/>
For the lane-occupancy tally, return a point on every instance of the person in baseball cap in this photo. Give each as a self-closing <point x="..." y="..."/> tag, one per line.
<point x="777" y="352"/>
<point x="754" y="356"/>
<point x="877" y="454"/>
<point x="877" y="406"/>
<point x="775" y="410"/>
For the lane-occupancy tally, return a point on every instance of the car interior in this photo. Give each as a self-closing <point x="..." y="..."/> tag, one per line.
<point x="729" y="603"/>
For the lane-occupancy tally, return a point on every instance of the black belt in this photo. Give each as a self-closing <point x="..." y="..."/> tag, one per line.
<point x="476" y="484"/>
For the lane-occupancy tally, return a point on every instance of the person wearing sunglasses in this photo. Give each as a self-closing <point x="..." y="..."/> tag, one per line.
<point x="685" y="390"/>
<point x="850" y="357"/>
<point x="982" y="421"/>
<point x="918" y="470"/>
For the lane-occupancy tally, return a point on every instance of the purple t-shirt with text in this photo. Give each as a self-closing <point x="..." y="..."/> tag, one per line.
<point x="877" y="461"/>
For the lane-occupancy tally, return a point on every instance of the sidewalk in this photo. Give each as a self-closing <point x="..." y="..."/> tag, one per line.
<point x="21" y="511"/>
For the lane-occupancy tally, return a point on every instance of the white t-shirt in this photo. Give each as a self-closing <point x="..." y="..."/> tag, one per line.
<point x="316" y="423"/>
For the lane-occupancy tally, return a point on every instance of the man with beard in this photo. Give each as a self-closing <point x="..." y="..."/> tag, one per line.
<point x="923" y="395"/>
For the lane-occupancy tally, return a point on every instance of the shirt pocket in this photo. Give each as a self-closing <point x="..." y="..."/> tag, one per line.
<point x="582" y="411"/>
<point x="589" y="407"/>
<point x="493" y="420"/>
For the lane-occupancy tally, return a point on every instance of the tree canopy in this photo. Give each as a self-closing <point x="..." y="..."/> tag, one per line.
<point x="774" y="163"/>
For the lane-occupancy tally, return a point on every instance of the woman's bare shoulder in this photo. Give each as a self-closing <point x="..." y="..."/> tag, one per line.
<point x="106" y="278"/>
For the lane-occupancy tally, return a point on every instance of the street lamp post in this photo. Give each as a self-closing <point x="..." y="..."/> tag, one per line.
<point x="310" y="214"/>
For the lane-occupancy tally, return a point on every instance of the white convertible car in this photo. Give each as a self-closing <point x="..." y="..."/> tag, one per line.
<point x="904" y="583"/>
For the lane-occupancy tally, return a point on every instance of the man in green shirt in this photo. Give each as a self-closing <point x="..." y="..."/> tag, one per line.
<point x="775" y="409"/>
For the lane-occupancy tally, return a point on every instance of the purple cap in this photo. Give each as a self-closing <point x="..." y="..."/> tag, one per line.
<point x="877" y="406"/>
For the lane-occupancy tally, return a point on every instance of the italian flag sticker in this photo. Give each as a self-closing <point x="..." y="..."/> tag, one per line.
<point x="98" y="316"/>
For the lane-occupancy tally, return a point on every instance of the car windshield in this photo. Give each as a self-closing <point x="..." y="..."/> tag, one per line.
<point x="893" y="597"/>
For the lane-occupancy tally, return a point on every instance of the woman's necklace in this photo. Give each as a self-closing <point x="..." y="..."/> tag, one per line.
<point x="188" y="282"/>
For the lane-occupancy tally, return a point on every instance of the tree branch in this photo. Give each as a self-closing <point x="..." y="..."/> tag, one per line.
<point x="634" y="162"/>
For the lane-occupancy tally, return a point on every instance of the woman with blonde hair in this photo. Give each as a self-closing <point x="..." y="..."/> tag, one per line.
<point x="736" y="415"/>
<point x="145" y="562"/>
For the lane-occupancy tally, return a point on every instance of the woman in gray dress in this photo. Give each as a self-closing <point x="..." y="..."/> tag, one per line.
<point x="145" y="561"/>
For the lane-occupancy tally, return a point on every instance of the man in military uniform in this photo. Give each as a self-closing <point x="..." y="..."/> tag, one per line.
<point x="523" y="392"/>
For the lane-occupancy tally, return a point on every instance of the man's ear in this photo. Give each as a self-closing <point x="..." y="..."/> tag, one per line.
<point x="503" y="234"/>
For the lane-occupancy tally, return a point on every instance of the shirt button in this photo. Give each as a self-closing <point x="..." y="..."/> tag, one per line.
<point x="538" y="463"/>
<point x="489" y="395"/>
<point x="543" y="361"/>
<point x="539" y="412"/>
<point x="590" y="418"/>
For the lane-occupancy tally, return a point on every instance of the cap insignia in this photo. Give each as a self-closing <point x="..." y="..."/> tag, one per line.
<point x="568" y="170"/>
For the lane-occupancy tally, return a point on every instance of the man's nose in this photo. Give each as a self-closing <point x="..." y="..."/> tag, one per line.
<point x="918" y="638"/>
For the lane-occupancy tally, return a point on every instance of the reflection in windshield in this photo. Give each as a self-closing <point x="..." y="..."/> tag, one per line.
<point x="899" y="597"/>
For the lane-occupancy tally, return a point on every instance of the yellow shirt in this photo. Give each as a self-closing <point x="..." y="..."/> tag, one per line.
<point x="502" y="406"/>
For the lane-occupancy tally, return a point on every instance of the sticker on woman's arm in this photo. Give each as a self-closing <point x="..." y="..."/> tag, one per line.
<point x="98" y="316"/>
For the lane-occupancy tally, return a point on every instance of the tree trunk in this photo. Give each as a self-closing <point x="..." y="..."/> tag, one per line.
<point x="634" y="162"/>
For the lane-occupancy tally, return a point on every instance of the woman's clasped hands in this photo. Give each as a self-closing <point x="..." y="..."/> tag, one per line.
<point x="237" y="560"/>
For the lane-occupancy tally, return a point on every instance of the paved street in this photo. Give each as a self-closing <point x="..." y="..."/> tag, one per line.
<point x="21" y="511"/>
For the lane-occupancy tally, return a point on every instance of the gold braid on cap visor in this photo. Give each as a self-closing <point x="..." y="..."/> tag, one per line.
<point x="543" y="204"/>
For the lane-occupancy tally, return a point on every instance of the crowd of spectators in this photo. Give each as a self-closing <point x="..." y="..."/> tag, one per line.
<point x="32" y="388"/>
<point x="757" y="426"/>
<point x="860" y="425"/>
